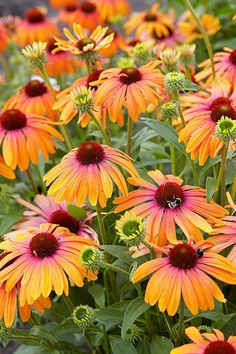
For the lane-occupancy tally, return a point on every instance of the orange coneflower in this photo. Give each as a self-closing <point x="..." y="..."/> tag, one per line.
<point x="5" y="170"/>
<point x="35" y="98"/>
<point x="61" y="3"/>
<point x="59" y="63"/>
<point x="68" y="108"/>
<point x="88" y="15"/>
<point x="190" y="28"/>
<point x="24" y="135"/>
<point x="167" y="203"/>
<point x="133" y="88"/>
<point x="3" y="38"/>
<point x="68" y="14"/>
<point x="184" y="272"/>
<point x="35" y="27"/>
<point x="10" y="302"/>
<point x="10" y="23"/>
<point x="150" y="22"/>
<point x="203" y="111"/>
<point x="80" y="43"/>
<point x="43" y="258"/>
<point x="117" y="44"/>
<point x="206" y="343"/>
<point x="112" y="8"/>
<point x="225" y="66"/>
<point x="88" y="171"/>
<point x="46" y="210"/>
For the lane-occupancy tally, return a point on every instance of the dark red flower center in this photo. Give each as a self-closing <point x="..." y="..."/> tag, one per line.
<point x="35" y="88"/>
<point x="70" y="8"/>
<point x="232" y="57"/>
<point x="219" y="347"/>
<point x="64" y="219"/>
<point x="13" y="119"/>
<point x="162" y="35"/>
<point x="88" y="7"/>
<point x="150" y="17"/>
<point x="222" y="106"/>
<point x="34" y="16"/>
<point x="85" y="41"/>
<point x="130" y="75"/>
<point x="183" y="256"/>
<point x="133" y="42"/>
<point x="90" y="153"/>
<point x="43" y="245"/>
<point x="169" y="195"/>
<point x="94" y="76"/>
<point x="51" y="45"/>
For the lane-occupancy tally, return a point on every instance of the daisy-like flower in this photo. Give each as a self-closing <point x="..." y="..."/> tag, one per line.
<point x="45" y="259"/>
<point x="167" y="203"/>
<point x="206" y="343"/>
<point x="80" y="43"/>
<point x="67" y="14"/>
<point x="133" y="88"/>
<point x="5" y="170"/>
<point x="67" y="106"/>
<point x="109" y="9"/>
<point x="59" y="63"/>
<point x="88" y="15"/>
<point x="24" y="135"/>
<point x="36" y="54"/>
<point x="116" y="44"/>
<point x="190" y="29"/>
<point x="88" y="171"/>
<point x="202" y="112"/>
<point x="3" y="38"/>
<point x="61" y="3"/>
<point x="46" y="210"/>
<point x="150" y="22"/>
<point x="225" y="66"/>
<point x="35" y="98"/>
<point x="225" y="236"/>
<point x="35" y="27"/>
<point x="10" y="23"/>
<point x="185" y="271"/>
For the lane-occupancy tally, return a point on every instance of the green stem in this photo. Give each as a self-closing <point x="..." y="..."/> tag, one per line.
<point x="180" y="323"/>
<point x="168" y="326"/>
<point x="204" y="35"/>
<point x="34" y="320"/>
<point x="89" y="66"/>
<point x="103" y="240"/>
<point x="28" y="172"/>
<point x="152" y="252"/>
<point x="106" y="341"/>
<point x="43" y="186"/>
<point x="68" y="303"/>
<point x="221" y="176"/>
<point x="233" y="188"/>
<point x="129" y="135"/>
<point x="114" y="268"/>
<point x="176" y="99"/>
<point x="172" y="155"/>
<point x="98" y="125"/>
<point x="5" y="66"/>
<point x="62" y="128"/>
<point x="194" y="170"/>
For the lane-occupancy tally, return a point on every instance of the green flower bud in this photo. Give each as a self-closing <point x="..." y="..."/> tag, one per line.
<point x="36" y="54"/>
<point x="226" y="129"/>
<point x="169" y="110"/>
<point x="83" y="99"/>
<point x="5" y="192"/>
<point x="83" y="316"/>
<point x="90" y="258"/>
<point x="174" y="82"/>
<point x="134" y="334"/>
<point x="130" y="229"/>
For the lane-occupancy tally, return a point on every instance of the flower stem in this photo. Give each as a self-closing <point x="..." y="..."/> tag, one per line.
<point x="101" y="225"/>
<point x="168" y="326"/>
<point x="68" y="303"/>
<point x="107" y="140"/>
<point x="180" y="323"/>
<point x="176" y="98"/>
<point x="221" y="176"/>
<point x="194" y="170"/>
<point x="28" y="172"/>
<point x="106" y="342"/>
<point x="5" y="66"/>
<point x="204" y="35"/>
<point x="62" y="128"/>
<point x="113" y="267"/>
<point x="129" y="135"/>
<point x="43" y="186"/>
<point x="148" y="245"/>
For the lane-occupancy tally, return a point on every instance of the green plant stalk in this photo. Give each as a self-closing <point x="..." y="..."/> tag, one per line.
<point x="89" y="66"/>
<point x="113" y="267"/>
<point x="5" y="66"/>
<point x="204" y="35"/>
<point x="68" y="303"/>
<point x="168" y="326"/>
<point x="129" y="135"/>
<point x="28" y="172"/>
<point x="62" y="128"/>
<point x="176" y="99"/>
<point x="106" y="341"/>
<point x="98" y="125"/>
<point x="103" y="240"/>
<point x="194" y="170"/>
<point x="43" y="186"/>
<point x="221" y="177"/>
<point x="152" y="252"/>
<point x="180" y="323"/>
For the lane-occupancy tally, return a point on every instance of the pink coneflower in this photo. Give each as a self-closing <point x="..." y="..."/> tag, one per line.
<point x="168" y="203"/>
<point x="46" y="210"/>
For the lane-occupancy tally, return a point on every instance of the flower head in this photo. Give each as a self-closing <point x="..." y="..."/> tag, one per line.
<point x="170" y="58"/>
<point x="166" y="203"/>
<point x="83" y="315"/>
<point x="90" y="257"/>
<point x="185" y="272"/>
<point x="90" y="169"/>
<point x="186" y="53"/>
<point x="36" y="53"/>
<point x="130" y="229"/>
<point x="226" y="129"/>
<point x="83" y="99"/>
<point x="206" y="343"/>
<point x="49" y="252"/>
<point x="169" y="111"/>
<point x="133" y="334"/>
<point x="174" y="81"/>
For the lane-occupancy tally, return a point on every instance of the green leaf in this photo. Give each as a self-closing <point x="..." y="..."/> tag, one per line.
<point x="161" y="345"/>
<point x="76" y="212"/>
<point x="120" y="252"/>
<point x="166" y="132"/>
<point x="23" y="349"/>
<point x="211" y="184"/>
<point x="98" y="293"/>
<point x="119" y="346"/>
<point x="134" y="310"/>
